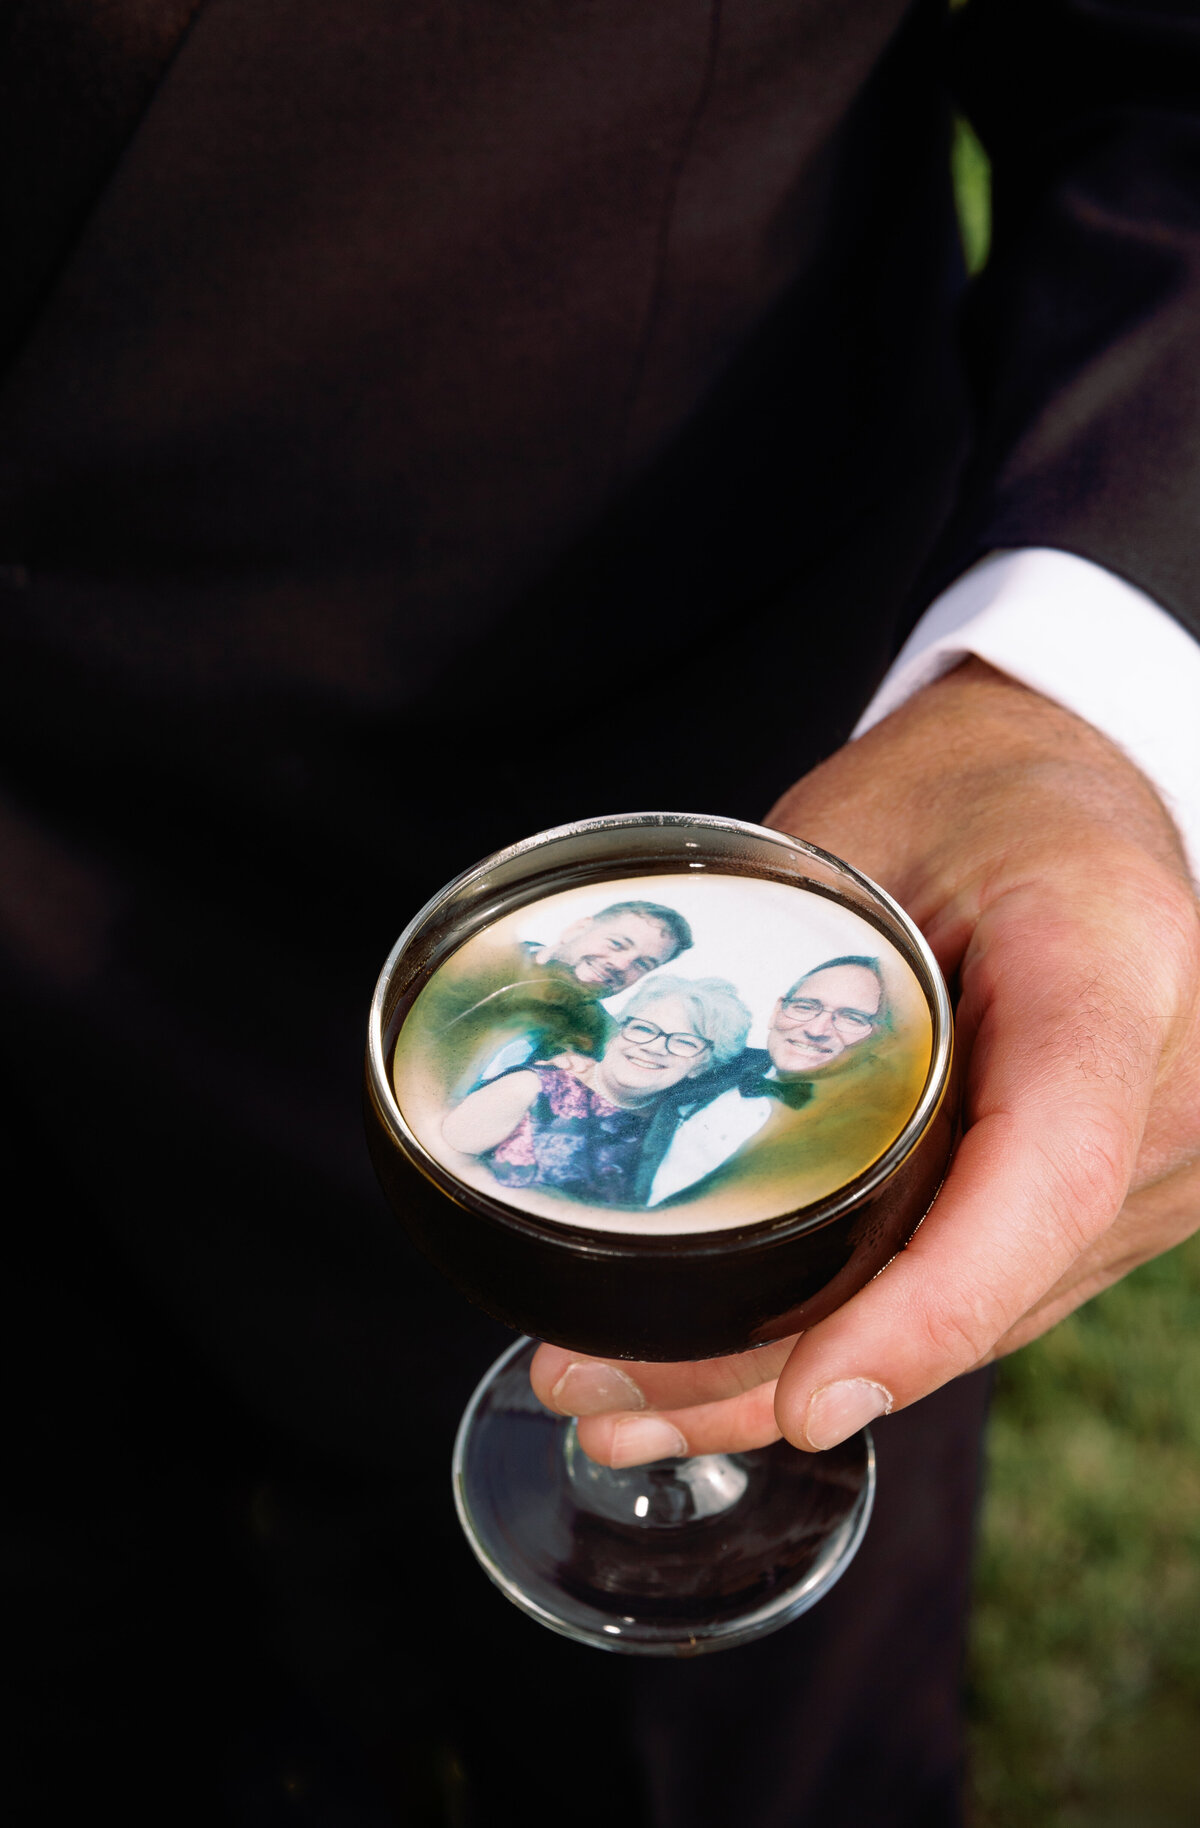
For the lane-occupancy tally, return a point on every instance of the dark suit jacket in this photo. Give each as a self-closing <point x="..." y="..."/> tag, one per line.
<point x="406" y="410"/>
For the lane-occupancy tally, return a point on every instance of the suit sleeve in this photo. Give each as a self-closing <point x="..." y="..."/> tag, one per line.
<point x="1083" y="336"/>
<point x="1066" y="628"/>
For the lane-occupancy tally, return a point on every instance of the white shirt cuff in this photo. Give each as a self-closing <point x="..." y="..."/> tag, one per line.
<point x="1084" y="638"/>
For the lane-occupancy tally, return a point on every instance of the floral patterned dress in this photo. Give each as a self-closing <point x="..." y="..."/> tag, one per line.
<point x="573" y="1140"/>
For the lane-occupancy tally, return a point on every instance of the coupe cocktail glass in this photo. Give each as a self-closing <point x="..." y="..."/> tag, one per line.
<point x="666" y="1189"/>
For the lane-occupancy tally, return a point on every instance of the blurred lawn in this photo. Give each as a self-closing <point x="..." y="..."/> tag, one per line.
<point x="971" y="173"/>
<point x="1085" y="1659"/>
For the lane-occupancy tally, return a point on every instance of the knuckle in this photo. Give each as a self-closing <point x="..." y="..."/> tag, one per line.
<point x="1086" y="1170"/>
<point x="1177" y="917"/>
<point x="1156" y="972"/>
<point x="962" y="1332"/>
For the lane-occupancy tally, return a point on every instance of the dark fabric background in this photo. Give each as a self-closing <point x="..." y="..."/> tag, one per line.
<point x="420" y="425"/>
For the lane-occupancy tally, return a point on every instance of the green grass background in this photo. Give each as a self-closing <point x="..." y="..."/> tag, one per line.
<point x="1084" y="1673"/>
<point x="1085" y="1652"/>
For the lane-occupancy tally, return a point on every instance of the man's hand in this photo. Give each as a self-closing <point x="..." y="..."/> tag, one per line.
<point x="1051" y="885"/>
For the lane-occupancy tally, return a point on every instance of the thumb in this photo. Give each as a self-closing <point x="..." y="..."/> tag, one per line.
<point x="1060" y="1084"/>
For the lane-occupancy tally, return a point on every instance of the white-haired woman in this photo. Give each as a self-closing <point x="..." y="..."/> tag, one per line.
<point x="578" y="1125"/>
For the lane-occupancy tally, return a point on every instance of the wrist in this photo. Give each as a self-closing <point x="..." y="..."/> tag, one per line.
<point x="976" y="766"/>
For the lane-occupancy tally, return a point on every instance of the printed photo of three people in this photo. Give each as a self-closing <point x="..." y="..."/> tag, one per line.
<point x="664" y="1054"/>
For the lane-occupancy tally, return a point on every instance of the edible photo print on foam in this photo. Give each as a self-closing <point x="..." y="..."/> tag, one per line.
<point x="665" y="1054"/>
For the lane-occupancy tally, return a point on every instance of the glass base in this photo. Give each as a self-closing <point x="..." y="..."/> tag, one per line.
<point x="669" y="1559"/>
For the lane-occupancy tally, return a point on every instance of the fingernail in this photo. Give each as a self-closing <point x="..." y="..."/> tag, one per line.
<point x="591" y="1389"/>
<point x="648" y="1438"/>
<point x="840" y="1410"/>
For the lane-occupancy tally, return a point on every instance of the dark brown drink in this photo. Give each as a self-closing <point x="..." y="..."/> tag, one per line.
<point x="660" y="1086"/>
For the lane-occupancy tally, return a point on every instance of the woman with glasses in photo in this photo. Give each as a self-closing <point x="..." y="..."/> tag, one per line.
<point x="578" y="1126"/>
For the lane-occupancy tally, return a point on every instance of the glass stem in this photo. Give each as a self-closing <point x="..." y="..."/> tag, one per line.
<point x="660" y="1494"/>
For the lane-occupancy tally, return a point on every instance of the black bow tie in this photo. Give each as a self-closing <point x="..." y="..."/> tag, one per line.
<point x="794" y="1093"/>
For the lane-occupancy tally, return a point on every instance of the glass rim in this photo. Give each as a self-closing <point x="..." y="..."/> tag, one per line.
<point x="765" y="1232"/>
